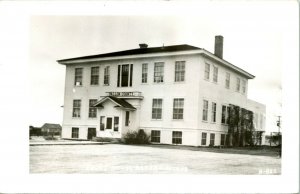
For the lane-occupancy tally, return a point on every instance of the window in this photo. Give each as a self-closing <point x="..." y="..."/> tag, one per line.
<point x="243" y="86"/>
<point x="222" y="139"/>
<point x="144" y="73"/>
<point x="127" y="118"/>
<point x="159" y="72"/>
<point x="155" y="136"/>
<point x="227" y="81"/>
<point x="78" y="77"/>
<point x="203" y="139"/>
<point x="205" y="110"/>
<point x="76" y="108"/>
<point x="94" y="75"/>
<point x="116" y="123"/>
<point x="213" y="112"/>
<point x="108" y="123"/>
<point x="101" y="123"/>
<point x="215" y="75"/>
<point x="156" y="108"/>
<point x="207" y="71"/>
<point x="225" y="114"/>
<point x="261" y="120"/>
<point x="179" y="71"/>
<point x="178" y="104"/>
<point x="75" y="132"/>
<point x="238" y="84"/>
<point x="124" y="75"/>
<point x="212" y="139"/>
<point x="177" y="137"/>
<point x="92" y="110"/>
<point x="106" y="75"/>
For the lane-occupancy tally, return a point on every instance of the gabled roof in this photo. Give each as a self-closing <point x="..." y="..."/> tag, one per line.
<point x="173" y="48"/>
<point x="51" y="126"/>
<point x="118" y="101"/>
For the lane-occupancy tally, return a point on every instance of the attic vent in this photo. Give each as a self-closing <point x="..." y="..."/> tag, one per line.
<point x="143" y="45"/>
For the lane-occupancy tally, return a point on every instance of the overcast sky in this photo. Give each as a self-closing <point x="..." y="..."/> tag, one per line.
<point x="252" y="41"/>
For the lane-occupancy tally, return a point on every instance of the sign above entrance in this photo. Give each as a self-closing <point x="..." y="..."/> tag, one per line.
<point x="126" y="94"/>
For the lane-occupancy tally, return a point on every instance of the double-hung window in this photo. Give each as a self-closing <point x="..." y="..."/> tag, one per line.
<point x="222" y="139"/>
<point x="178" y="105"/>
<point x="238" y="84"/>
<point x="207" y="71"/>
<point x="212" y="139"/>
<point x="159" y="72"/>
<point x="179" y="71"/>
<point x="75" y="132"/>
<point x="177" y="137"/>
<point x="76" y="108"/>
<point x="94" y="75"/>
<point x="78" y="77"/>
<point x="144" y="72"/>
<point x="243" y="86"/>
<point x="213" y="112"/>
<point x="125" y="75"/>
<point x="205" y="110"/>
<point x="92" y="110"/>
<point x="156" y="108"/>
<point x="215" y="75"/>
<point x="225" y="114"/>
<point x="203" y="138"/>
<point x="155" y="136"/>
<point x="227" y="81"/>
<point x="106" y="75"/>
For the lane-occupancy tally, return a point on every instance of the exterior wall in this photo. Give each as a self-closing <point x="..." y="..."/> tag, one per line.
<point x="194" y="90"/>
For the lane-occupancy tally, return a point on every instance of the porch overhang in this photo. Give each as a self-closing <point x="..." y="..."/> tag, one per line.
<point x="120" y="103"/>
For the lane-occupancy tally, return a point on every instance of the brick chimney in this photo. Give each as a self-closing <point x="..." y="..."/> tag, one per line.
<point x="143" y="45"/>
<point x="219" y="46"/>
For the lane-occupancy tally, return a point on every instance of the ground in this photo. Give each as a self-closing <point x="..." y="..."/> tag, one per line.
<point x="131" y="159"/>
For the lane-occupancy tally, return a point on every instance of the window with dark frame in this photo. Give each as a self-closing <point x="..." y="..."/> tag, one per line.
<point x="92" y="110"/>
<point x="179" y="71"/>
<point x="94" y="75"/>
<point x="212" y="139"/>
<point x="106" y="75"/>
<point x="78" y="77"/>
<point x="126" y="118"/>
<point x="178" y="106"/>
<point x="155" y="136"/>
<point x="205" y="110"/>
<point x="108" y="123"/>
<point x="144" y="72"/>
<point x="243" y="86"/>
<point x="159" y="72"/>
<point x="203" y="138"/>
<point x="102" y="123"/>
<point x="176" y="137"/>
<point x="222" y="139"/>
<point x="223" y="118"/>
<point x="156" y="108"/>
<point x="116" y="123"/>
<point x="213" y="112"/>
<point x="125" y="73"/>
<point x="75" y="132"/>
<point x="76" y="108"/>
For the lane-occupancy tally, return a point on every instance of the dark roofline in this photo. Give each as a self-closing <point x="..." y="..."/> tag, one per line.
<point x="138" y="51"/>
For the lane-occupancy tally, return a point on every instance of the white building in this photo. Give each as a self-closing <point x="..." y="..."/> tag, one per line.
<point x="177" y="94"/>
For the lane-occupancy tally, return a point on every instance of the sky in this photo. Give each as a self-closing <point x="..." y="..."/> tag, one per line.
<point x="251" y="42"/>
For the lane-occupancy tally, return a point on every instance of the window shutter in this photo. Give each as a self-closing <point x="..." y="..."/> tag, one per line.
<point x="118" y="80"/>
<point x="130" y="74"/>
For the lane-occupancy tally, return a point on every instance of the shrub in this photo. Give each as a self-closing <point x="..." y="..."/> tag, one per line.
<point x="50" y="138"/>
<point x="136" y="137"/>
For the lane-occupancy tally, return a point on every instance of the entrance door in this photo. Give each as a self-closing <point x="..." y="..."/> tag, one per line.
<point x="125" y="74"/>
<point x="91" y="133"/>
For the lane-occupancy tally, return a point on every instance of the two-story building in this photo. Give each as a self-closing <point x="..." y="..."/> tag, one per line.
<point x="177" y="94"/>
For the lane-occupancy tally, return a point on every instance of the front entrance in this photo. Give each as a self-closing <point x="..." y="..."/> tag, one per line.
<point x="91" y="133"/>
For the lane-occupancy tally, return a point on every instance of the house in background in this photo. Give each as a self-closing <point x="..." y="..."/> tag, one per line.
<point x="177" y="94"/>
<point x="51" y="129"/>
<point x="35" y="131"/>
